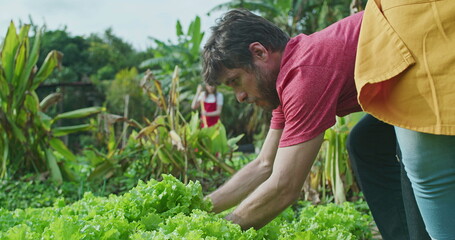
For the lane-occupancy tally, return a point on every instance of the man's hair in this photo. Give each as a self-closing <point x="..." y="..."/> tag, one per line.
<point x="228" y="46"/>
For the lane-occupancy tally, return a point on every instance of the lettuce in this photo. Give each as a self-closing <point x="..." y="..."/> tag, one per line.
<point x="169" y="209"/>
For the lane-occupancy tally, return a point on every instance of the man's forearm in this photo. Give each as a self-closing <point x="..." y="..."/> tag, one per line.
<point x="263" y="205"/>
<point x="239" y="186"/>
<point x="281" y="189"/>
<point x="249" y="177"/>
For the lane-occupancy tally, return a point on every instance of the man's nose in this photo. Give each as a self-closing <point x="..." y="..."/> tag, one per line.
<point x="241" y="96"/>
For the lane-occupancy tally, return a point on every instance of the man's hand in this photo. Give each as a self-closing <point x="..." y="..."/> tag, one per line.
<point x="249" y="177"/>
<point x="282" y="188"/>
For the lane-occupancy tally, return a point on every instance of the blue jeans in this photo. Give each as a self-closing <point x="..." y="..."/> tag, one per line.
<point x="372" y="149"/>
<point x="429" y="161"/>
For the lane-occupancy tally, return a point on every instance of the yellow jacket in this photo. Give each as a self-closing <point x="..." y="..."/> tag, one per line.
<point x="405" y="65"/>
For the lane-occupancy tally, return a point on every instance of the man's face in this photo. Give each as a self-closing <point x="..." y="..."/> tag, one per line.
<point x="256" y="86"/>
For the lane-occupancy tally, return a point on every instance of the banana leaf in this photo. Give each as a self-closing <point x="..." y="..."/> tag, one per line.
<point x="79" y="113"/>
<point x="104" y="170"/>
<point x="52" y="60"/>
<point x="32" y="102"/>
<point x="56" y="175"/>
<point x="50" y="100"/>
<point x="61" y="148"/>
<point x="10" y="45"/>
<point x="4" y="88"/>
<point x="62" y="131"/>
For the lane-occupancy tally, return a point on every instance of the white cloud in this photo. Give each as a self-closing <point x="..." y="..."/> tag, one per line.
<point x="132" y="20"/>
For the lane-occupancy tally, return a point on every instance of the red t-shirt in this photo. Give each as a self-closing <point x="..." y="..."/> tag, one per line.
<point x="316" y="81"/>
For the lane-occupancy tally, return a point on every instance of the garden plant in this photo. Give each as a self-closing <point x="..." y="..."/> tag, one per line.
<point x="169" y="209"/>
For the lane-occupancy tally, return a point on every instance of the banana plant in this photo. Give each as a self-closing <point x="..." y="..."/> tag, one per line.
<point x="28" y="137"/>
<point x="178" y="142"/>
<point x="173" y="145"/>
<point x="159" y="142"/>
<point x="332" y="168"/>
<point x="337" y="162"/>
<point x="185" y="53"/>
<point x="114" y="158"/>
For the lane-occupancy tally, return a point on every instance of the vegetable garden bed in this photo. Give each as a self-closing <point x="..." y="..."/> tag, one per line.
<point x="169" y="209"/>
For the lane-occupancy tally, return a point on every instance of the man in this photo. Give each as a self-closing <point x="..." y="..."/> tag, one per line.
<point x="307" y="81"/>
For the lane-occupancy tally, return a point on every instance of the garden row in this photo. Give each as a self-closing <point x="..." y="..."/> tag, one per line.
<point x="169" y="209"/>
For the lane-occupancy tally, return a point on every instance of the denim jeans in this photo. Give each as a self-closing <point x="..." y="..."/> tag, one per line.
<point x="429" y="161"/>
<point x="372" y="149"/>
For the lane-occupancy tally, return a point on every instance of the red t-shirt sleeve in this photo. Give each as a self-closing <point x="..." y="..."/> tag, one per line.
<point x="308" y="104"/>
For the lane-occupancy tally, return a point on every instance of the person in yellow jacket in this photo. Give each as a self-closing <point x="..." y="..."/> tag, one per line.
<point x="405" y="75"/>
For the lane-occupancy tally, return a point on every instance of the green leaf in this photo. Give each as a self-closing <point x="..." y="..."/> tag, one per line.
<point x="46" y="120"/>
<point x="162" y="155"/>
<point x="232" y="142"/>
<point x="305" y="236"/>
<point x="94" y="157"/>
<point x="10" y="46"/>
<point x="32" y="60"/>
<point x="284" y="5"/>
<point x="32" y="102"/>
<point x="80" y="113"/>
<point x="56" y="175"/>
<point x="21" y="59"/>
<point x="19" y="232"/>
<point x="62" y="131"/>
<point x="218" y="139"/>
<point x="151" y="221"/>
<point x="52" y="60"/>
<point x="16" y="130"/>
<point x="178" y="28"/>
<point x="104" y="170"/>
<point x="196" y="36"/>
<point x="4" y="89"/>
<point x="23" y="33"/>
<point x="323" y="14"/>
<point x="61" y="148"/>
<point x="194" y="123"/>
<point x="5" y="145"/>
<point x="50" y="100"/>
<point x="112" y="143"/>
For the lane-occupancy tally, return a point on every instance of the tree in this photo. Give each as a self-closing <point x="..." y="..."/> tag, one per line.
<point x="108" y="54"/>
<point x="75" y="62"/>
<point x="297" y="16"/>
<point x="185" y="54"/>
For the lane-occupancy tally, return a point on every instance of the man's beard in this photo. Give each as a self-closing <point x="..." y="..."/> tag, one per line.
<point x="266" y="85"/>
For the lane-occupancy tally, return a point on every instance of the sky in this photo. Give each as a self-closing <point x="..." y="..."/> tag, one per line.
<point x="132" y="20"/>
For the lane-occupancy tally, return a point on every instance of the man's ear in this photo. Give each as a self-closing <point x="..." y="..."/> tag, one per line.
<point x="258" y="51"/>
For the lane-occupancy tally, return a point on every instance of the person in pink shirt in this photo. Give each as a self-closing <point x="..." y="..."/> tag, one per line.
<point x="306" y="81"/>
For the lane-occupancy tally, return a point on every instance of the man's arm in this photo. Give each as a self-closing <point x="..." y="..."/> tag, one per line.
<point x="282" y="188"/>
<point x="249" y="177"/>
